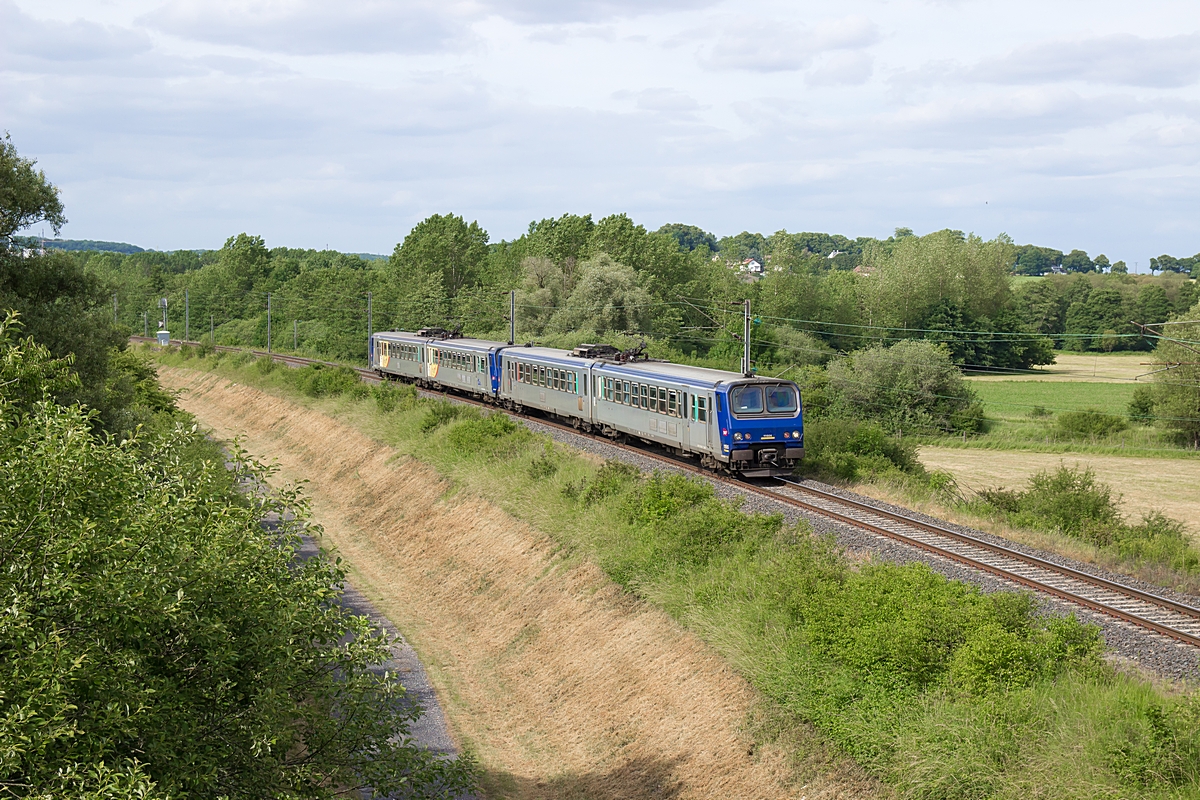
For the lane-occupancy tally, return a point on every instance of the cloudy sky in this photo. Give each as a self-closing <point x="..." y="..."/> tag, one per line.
<point x="1067" y="123"/>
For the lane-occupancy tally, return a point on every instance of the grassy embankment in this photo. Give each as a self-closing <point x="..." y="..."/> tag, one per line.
<point x="938" y="690"/>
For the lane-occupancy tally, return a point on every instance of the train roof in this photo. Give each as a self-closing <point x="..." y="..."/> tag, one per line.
<point x="548" y="354"/>
<point x="701" y="376"/>
<point x="461" y="344"/>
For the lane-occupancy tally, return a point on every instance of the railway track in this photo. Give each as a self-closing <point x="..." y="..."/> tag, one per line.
<point x="1129" y="604"/>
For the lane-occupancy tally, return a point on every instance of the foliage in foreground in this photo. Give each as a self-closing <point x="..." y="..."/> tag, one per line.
<point x="157" y="642"/>
<point x="1073" y="502"/>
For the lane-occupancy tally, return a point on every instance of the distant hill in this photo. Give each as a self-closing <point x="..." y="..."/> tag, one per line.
<point x="89" y="244"/>
<point x="370" y="256"/>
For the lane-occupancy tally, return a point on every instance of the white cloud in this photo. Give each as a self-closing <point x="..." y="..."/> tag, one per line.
<point x="1122" y="59"/>
<point x="842" y="69"/>
<point x="777" y="46"/>
<point x="71" y="42"/>
<point x="311" y="27"/>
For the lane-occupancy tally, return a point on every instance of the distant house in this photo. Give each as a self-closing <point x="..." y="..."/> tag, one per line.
<point x="752" y="266"/>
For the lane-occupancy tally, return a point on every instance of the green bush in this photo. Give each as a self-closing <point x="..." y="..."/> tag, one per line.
<point x="911" y="386"/>
<point x="390" y="396"/>
<point x="1068" y="500"/>
<point x="1141" y="406"/>
<point x="1073" y="502"/>
<point x="1161" y="746"/>
<point x="847" y="449"/>
<point x="266" y="365"/>
<point x="495" y="435"/>
<point x="544" y="465"/>
<point x="318" y="380"/>
<point x="443" y="412"/>
<point x="612" y="478"/>
<point x="1090" y="423"/>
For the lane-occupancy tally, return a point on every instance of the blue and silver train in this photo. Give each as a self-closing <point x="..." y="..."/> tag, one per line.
<point x="746" y="425"/>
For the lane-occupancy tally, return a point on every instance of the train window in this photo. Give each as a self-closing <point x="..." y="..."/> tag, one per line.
<point x="672" y="404"/>
<point x="702" y="409"/>
<point x="644" y="391"/>
<point x="483" y="363"/>
<point x="575" y="383"/>
<point x="746" y="400"/>
<point x="623" y="392"/>
<point x="558" y="379"/>
<point x="653" y="399"/>
<point x="662" y="401"/>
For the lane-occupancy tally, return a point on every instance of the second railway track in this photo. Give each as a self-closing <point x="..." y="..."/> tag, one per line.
<point x="1162" y="615"/>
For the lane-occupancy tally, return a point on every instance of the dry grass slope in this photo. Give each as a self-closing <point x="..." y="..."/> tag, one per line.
<point x="562" y="685"/>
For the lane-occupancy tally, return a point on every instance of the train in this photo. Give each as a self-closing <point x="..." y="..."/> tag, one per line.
<point x="733" y="423"/>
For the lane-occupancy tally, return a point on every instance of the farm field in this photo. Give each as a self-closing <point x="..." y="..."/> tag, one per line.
<point x="1014" y="399"/>
<point x="1171" y="486"/>
<point x="1080" y="367"/>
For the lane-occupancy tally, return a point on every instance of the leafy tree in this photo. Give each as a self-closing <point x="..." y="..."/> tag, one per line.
<point x="915" y="274"/>
<point x="1176" y="400"/>
<point x="1033" y="260"/>
<point x="26" y="197"/>
<point x="606" y="299"/>
<point x="1042" y="307"/>
<point x="1105" y="309"/>
<point x="1166" y="263"/>
<point x="445" y="246"/>
<point x="1077" y="261"/>
<point x="689" y="237"/>
<point x="1119" y="268"/>
<point x="158" y="643"/>
<point x="65" y="308"/>
<point x="1102" y="263"/>
<point x="735" y="249"/>
<point x="1152" y="305"/>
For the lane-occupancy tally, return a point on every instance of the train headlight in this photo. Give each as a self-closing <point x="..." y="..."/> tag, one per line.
<point x="795" y="434"/>
<point x="737" y="437"/>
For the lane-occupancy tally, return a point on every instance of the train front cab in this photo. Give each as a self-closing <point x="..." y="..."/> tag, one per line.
<point x="761" y="425"/>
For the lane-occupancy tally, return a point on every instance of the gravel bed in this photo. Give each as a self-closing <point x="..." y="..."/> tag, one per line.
<point x="1129" y="645"/>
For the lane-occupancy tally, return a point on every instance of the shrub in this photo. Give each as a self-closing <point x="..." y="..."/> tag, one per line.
<point x="390" y="396"/>
<point x="848" y="450"/>
<point x="912" y="385"/>
<point x="545" y="465"/>
<point x="1040" y="412"/>
<point x="1069" y="500"/>
<point x="612" y="478"/>
<point x="1141" y="406"/>
<point x="1090" y="423"/>
<point x="318" y="380"/>
<point x="495" y="435"/>
<point x="266" y="365"/>
<point x="442" y="412"/>
<point x="1073" y="502"/>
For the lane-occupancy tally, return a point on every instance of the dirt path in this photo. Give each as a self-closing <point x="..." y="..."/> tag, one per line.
<point x="1168" y="484"/>
<point x="560" y="684"/>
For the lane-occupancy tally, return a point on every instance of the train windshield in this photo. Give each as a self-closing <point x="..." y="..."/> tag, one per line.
<point x="746" y="400"/>
<point x="781" y="399"/>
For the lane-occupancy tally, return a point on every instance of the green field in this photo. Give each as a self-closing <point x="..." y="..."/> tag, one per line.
<point x="1015" y="399"/>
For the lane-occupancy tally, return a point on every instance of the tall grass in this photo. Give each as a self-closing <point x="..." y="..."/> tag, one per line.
<point x="936" y="688"/>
